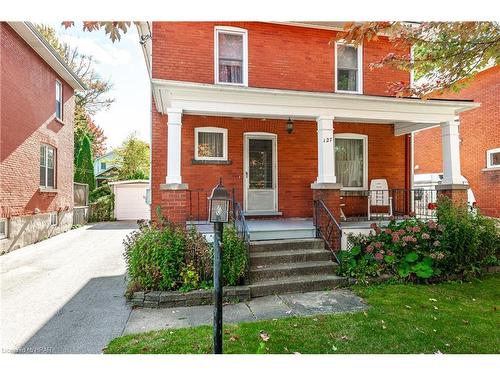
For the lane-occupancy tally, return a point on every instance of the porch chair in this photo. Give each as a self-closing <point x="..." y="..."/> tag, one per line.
<point x="378" y="196"/>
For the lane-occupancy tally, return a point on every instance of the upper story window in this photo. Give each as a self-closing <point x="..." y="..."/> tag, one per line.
<point x="351" y="161"/>
<point x="348" y="65"/>
<point x="493" y="158"/>
<point x="103" y="165"/>
<point x="210" y="143"/>
<point x="59" y="100"/>
<point x="47" y="166"/>
<point x="231" y="56"/>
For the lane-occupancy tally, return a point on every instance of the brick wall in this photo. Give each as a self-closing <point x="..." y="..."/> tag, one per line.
<point x="297" y="157"/>
<point x="28" y="119"/>
<point x="479" y="131"/>
<point x="280" y="56"/>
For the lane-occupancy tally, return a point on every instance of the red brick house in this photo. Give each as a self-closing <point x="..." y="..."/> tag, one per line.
<point x="479" y="141"/>
<point x="284" y="116"/>
<point x="36" y="140"/>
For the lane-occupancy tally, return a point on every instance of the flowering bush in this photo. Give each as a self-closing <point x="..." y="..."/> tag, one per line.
<point x="459" y="242"/>
<point x="408" y="249"/>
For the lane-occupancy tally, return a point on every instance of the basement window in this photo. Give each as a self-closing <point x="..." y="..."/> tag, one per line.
<point x="53" y="219"/>
<point x="4" y="228"/>
<point x="210" y="143"/>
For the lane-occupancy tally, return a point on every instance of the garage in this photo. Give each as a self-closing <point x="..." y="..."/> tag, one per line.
<point x="131" y="199"/>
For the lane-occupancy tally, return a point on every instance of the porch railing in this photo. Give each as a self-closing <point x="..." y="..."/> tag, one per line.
<point x="381" y="204"/>
<point x="198" y="205"/>
<point x="327" y="228"/>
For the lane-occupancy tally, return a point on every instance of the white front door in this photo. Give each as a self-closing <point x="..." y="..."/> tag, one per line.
<point x="260" y="173"/>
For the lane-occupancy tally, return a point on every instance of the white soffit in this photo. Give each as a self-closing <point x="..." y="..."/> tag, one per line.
<point x="219" y="100"/>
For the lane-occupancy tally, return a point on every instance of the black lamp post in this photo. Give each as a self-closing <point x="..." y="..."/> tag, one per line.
<point x="219" y="214"/>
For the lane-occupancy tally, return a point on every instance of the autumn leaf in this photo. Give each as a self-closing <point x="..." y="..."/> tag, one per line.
<point x="264" y="336"/>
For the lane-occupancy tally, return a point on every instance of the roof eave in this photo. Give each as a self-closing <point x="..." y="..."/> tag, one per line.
<point x="35" y="40"/>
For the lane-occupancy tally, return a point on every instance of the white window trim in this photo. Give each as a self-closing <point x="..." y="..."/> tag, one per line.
<point x="46" y="186"/>
<point x="363" y="137"/>
<point x="6" y="234"/>
<point x="61" y="101"/>
<point x="235" y="31"/>
<point x="359" y="76"/>
<point x="54" y="214"/>
<point x="488" y="158"/>
<point x="207" y="129"/>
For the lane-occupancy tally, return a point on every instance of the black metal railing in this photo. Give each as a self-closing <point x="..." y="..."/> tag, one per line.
<point x="198" y="205"/>
<point x="362" y="205"/>
<point x="327" y="227"/>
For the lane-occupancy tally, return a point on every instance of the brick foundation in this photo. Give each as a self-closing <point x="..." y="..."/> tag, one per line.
<point x="457" y="193"/>
<point x="174" y="203"/>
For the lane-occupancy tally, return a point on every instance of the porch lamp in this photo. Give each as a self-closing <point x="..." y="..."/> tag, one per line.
<point x="219" y="214"/>
<point x="289" y="126"/>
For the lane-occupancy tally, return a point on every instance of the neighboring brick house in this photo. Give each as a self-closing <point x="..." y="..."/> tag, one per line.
<point x="479" y="141"/>
<point x="283" y="116"/>
<point x="36" y="140"/>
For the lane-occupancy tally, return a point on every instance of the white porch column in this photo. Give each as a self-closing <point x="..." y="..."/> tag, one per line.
<point x="326" y="152"/>
<point x="174" y="126"/>
<point x="450" y="141"/>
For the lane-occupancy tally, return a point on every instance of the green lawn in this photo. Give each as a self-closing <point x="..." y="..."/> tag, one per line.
<point x="452" y="317"/>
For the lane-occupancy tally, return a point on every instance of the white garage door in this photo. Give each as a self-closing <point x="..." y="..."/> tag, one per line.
<point x="130" y="202"/>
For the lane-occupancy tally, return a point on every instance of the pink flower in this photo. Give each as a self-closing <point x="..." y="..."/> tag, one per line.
<point x="390" y="253"/>
<point x="416" y="229"/>
<point x="388" y="231"/>
<point x="373" y="225"/>
<point x="379" y="256"/>
<point x="425" y="236"/>
<point x="378" y="245"/>
<point x="369" y="249"/>
<point x="395" y="237"/>
<point x="436" y="243"/>
<point x="432" y="224"/>
<point x="378" y="230"/>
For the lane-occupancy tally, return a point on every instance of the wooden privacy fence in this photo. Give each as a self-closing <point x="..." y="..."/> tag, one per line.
<point x="81" y="203"/>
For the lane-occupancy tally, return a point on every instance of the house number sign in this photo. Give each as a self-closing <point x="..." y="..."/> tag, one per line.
<point x="327" y="139"/>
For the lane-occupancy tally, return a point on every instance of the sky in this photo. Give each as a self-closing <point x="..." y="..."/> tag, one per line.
<point x="123" y="63"/>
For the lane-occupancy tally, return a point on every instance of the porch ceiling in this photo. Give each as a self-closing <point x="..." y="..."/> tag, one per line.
<point x="235" y="101"/>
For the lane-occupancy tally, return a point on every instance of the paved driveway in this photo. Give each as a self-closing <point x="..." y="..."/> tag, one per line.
<point x="65" y="294"/>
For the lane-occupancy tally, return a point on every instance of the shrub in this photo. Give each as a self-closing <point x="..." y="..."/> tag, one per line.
<point x="155" y="257"/>
<point x="164" y="256"/>
<point x="460" y="242"/>
<point x="99" y="192"/>
<point x="470" y="240"/>
<point x="102" y="209"/>
<point x="234" y="257"/>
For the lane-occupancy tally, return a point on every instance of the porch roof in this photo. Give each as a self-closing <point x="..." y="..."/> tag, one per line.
<point x="407" y="114"/>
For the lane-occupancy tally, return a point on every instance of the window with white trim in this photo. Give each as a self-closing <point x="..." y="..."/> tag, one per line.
<point x="348" y="68"/>
<point x="4" y="228"/>
<point x="231" y="56"/>
<point x="351" y="161"/>
<point x="53" y="219"/>
<point x="210" y="143"/>
<point x="47" y="166"/>
<point x="493" y="158"/>
<point x="59" y="100"/>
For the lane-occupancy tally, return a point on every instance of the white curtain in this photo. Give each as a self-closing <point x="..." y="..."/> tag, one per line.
<point x="349" y="162"/>
<point x="210" y="144"/>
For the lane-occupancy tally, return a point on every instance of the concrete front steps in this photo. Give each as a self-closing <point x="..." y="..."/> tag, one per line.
<point x="261" y="230"/>
<point x="291" y="266"/>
